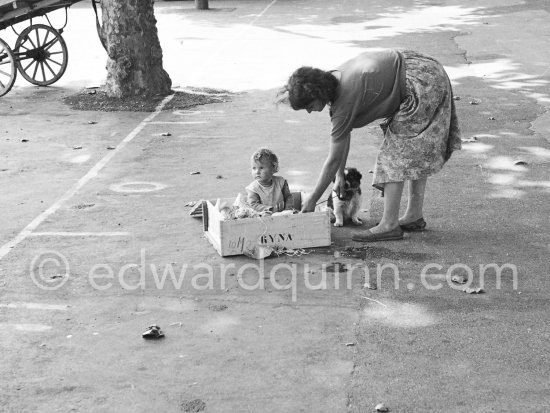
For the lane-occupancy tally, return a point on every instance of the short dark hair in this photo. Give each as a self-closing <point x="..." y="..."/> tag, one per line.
<point x="307" y="84"/>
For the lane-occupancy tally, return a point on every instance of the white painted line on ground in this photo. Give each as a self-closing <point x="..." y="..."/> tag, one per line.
<point x="36" y="328"/>
<point x="36" y="306"/>
<point x="177" y="123"/>
<point x="92" y="173"/>
<point x="205" y="137"/>
<point x="80" y="234"/>
<point x="221" y="46"/>
<point x="187" y="112"/>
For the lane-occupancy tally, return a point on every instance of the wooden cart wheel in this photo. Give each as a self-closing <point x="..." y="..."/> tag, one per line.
<point x="8" y="71"/>
<point x="42" y="54"/>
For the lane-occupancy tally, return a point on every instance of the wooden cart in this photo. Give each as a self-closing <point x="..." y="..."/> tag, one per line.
<point x="40" y="53"/>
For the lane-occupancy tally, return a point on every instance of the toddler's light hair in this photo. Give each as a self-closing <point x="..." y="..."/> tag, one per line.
<point x="266" y="155"/>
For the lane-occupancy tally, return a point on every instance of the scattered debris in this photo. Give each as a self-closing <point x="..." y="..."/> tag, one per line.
<point x="83" y="206"/>
<point x="217" y="307"/>
<point x="92" y="122"/>
<point x="371" y="285"/>
<point x="77" y="147"/>
<point x="195" y="173"/>
<point x="472" y="139"/>
<point x="191" y="203"/>
<point x="337" y="267"/>
<point x="298" y="252"/>
<point x="520" y="162"/>
<point x="111" y="147"/>
<point x="474" y="290"/>
<point x="165" y="134"/>
<point x="153" y="332"/>
<point x="381" y="407"/>
<point x="196" y="405"/>
<point x="259" y="252"/>
<point x="459" y="279"/>
<point x="474" y="102"/>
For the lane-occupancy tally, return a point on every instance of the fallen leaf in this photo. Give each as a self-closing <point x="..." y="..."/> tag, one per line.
<point x="195" y="173"/>
<point x="371" y="286"/>
<point x="381" y="407"/>
<point x="459" y="279"/>
<point x="474" y="290"/>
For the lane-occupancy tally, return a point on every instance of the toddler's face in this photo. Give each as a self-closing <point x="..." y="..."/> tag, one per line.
<point x="262" y="172"/>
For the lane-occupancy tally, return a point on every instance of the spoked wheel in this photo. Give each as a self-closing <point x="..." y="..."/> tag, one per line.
<point x="42" y="54"/>
<point x="8" y="72"/>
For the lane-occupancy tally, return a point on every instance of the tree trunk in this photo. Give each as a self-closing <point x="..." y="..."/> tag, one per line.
<point x="134" y="65"/>
<point x="201" y="4"/>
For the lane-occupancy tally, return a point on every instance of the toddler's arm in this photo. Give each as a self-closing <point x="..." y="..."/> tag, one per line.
<point x="253" y="199"/>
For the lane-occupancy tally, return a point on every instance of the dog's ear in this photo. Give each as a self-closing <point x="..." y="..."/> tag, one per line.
<point x="355" y="174"/>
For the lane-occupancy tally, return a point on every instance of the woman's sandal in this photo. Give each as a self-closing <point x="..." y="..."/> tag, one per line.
<point x="368" y="236"/>
<point x="418" y="225"/>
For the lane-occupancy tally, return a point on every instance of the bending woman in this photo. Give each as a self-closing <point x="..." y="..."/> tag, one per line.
<point x="413" y="94"/>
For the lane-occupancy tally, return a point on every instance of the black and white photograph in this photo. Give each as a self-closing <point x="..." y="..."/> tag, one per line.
<point x="274" y="206"/>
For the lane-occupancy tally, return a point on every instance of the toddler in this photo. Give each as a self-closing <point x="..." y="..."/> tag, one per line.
<point x="268" y="192"/>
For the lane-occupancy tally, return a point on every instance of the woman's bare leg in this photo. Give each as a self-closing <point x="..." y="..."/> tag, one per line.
<point x="392" y="201"/>
<point x="415" y="202"/>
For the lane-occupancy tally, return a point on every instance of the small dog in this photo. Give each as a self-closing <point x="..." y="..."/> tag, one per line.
<point x="346" y="206"/>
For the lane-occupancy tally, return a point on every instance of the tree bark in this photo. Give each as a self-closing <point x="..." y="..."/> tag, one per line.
<point x="134" y="64"/>
<point x="201" y="4"/>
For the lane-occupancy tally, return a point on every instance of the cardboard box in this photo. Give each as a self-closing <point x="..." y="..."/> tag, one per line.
<point x="237" y="236"/>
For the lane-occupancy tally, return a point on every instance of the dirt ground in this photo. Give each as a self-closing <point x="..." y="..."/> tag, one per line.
<point x="94" y="99"/>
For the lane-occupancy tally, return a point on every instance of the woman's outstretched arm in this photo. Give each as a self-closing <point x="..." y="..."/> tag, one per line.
<point x="336" y="157"/>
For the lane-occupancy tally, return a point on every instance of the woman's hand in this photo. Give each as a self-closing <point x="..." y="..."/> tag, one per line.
<point x="339" y="184"/>
<point x="308" y="204"/>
